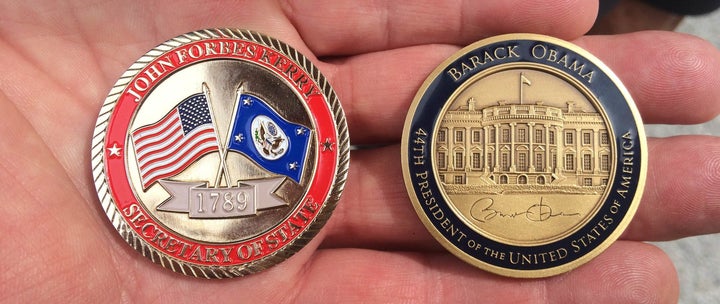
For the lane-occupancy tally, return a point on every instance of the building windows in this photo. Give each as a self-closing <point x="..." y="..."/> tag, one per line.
<point x="605" y="162"/>
<point x="442" y="161"/>
<point x="604" y="181"/>
<point x="539" y="161"/>
<point x="459" y="136"/>
<point x="442" y="178"/>
<point x="569" y="161"/>
<point x="522" y="162"/>
<point x="587" y="162"/>
<point x="459" y="163"/>
<point x="522" y="135"/>
<point x="569" y="138"/>
<point x="442" y="137"/>
<point x="587" y="138"/>
<point x="539" y="138"/>
<point x="476" y="137"/>
<point x="587" y="182"/>
<point x="538" y="145"/>
<point x="476" y="161"/>
<point x="604" y="139"/>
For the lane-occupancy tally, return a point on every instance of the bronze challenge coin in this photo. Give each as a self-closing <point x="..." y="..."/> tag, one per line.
<point x="220" y="153"/>
<point x="524" y="155"/>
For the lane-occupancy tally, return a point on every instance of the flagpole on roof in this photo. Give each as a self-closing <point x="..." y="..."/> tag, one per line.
<point x="523" y="81"/>
<point x="222" y="150"/>
<point x="521" y="87"/>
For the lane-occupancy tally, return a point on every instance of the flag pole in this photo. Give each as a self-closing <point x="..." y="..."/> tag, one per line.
<point x="521" y="87"/>
<point x="238" y="92"/>
<point x="523" y="81"/>
<point x="221" y="148"/>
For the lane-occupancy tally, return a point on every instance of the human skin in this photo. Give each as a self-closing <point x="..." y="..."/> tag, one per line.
<point x="59" y="59"/>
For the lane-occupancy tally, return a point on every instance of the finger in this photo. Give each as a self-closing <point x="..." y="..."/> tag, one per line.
<point x="86" y="59"/>
<point x="351" y="27"/>
<point x="375" y="211"/>
<point x="376" y="89"/>
<point x="682" y="197"/>
<point x="627" y="272"/>
<point x="671" y="76"/>
<point x="93" y="42"/>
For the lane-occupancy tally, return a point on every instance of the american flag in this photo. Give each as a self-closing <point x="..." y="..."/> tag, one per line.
<point x="170" y="145"/>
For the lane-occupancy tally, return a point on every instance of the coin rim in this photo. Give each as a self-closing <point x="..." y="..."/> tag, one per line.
<point x="518" y="273"/>
<point x="98" y="157"/>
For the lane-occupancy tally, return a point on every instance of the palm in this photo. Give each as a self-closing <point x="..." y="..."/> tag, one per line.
<point x="59" y="62"/>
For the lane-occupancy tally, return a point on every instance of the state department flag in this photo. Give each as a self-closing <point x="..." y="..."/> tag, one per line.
<point x="272" y="142"/>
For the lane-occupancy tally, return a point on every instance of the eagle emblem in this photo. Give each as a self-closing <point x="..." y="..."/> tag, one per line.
<point x="270" y="141"/>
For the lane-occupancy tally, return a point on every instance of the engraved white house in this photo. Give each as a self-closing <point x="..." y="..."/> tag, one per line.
<point x="523" y="144"/>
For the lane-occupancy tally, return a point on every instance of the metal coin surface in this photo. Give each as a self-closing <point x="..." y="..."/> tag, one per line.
<point x="524" y="155"/>
<point x="220" y="153"/>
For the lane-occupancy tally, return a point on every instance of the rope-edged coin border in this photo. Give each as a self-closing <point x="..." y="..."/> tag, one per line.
<point x="217" y="272"/>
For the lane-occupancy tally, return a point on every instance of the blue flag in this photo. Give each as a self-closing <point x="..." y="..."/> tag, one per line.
<point x="272" y="142"/>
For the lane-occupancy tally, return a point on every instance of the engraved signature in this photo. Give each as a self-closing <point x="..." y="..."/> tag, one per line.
<point x="484" y="211"/>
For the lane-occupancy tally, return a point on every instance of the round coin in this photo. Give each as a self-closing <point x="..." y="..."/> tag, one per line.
<point x="524" y="155"/>
<point x="220" y="153"/>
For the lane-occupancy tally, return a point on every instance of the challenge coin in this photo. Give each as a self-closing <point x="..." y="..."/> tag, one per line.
<point x="524" y="155"/>
<point x="220" y="153"/>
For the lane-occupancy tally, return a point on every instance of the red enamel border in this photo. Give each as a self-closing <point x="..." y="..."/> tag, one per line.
<point x="242" y="252"/>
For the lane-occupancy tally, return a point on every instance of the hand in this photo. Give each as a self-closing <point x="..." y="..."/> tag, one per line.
<point x="60" y="59"/>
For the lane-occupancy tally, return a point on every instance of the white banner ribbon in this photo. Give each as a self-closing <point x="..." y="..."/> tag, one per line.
<point x="199" y="201"/>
